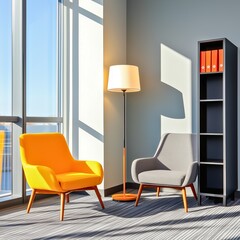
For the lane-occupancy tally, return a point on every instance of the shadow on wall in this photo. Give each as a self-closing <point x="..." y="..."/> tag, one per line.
<point x="165" y="105"/>
<point x="174" y="107"/>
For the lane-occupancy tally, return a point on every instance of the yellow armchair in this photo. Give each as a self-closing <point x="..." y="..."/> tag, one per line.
<point x="50" y="168"/>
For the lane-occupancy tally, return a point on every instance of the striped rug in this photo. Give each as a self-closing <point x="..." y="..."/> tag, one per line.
<point x="154" y="218"/>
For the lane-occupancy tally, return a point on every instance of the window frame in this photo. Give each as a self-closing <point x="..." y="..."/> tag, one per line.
<point x="19" y="119"/>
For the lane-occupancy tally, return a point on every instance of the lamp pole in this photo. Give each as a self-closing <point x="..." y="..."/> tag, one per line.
<point x="124" y="196"/>
<point x="124" y="141"/>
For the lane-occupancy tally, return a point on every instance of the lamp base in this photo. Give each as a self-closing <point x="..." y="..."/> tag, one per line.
<point x="124" y="197"/>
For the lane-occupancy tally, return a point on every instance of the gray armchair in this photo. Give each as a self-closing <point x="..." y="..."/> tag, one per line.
<point x="174" y="165"/>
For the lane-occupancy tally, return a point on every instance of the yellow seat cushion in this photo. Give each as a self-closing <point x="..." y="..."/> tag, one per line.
<point x="75" y="180"/>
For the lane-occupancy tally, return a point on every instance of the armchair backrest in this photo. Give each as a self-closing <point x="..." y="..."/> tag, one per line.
<point x="176" y="151"/>
<point x="46" y="149"/>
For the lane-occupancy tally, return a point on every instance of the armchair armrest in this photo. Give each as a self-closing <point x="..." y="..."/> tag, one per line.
<point x="41" y="178"/>
<point x="142" y="164"/>
<point x="191" y="174"/>
<point x="88" y="167"/>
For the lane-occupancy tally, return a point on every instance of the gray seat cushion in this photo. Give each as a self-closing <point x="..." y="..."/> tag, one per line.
<point x="162" y="177"/>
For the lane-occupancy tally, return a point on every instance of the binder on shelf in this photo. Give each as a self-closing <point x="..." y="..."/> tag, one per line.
<point x="214" y="60"/>
<point x="203" y="61"/>
<point x="220" y="60"/>
<point x="208" y="60"/>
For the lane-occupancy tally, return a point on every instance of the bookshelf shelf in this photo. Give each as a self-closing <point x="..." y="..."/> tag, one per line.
<point x="211" y="86"/>
<point x="211" y="100"/>
<point x="217" y="162"/>
<point x="218" y="123"/>
<point x="210" y="73"/>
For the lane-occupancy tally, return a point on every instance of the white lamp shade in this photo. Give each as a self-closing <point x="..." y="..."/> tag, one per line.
<point x="124" y="78"/>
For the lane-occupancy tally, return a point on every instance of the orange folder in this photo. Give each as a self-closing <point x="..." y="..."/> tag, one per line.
<point x="208" y="61"/>
<point x="214" y="60"/>
<point x="220" y="60"/>
<point x="203" y="61"/>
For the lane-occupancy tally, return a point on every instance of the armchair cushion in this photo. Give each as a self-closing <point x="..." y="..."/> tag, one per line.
<point x="162" y="177"/>
<point x="77" y="180"/>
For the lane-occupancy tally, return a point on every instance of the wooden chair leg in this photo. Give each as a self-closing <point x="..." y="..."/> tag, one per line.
<point x="193" y="191"/>
<point x="139" y="194"/>
<point x="184" y="196"/>
<point x="62" y="206"/>
<point x="32" y="197"/>
<point x="99" y="196"/>
<point x="67" y="198"/>
<point x="158" y="191"/>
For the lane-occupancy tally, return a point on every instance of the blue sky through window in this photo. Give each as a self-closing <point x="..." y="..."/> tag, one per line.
<point x="42" y="58"/>
<point x="5" y="57"/>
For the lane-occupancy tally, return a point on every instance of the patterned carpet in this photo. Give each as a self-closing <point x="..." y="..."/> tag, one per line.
<point x="154" y="218"/>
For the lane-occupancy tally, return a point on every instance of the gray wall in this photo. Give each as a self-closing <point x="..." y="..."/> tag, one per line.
<point x="114" y="53"/>
<point x="178" y="24"/>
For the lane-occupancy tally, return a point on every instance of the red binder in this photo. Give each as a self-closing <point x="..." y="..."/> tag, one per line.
<point x="214" y="60"/>
<point x="220" y="60"/>
<point x="208" y="61"/>
<point x="203" y="61"/>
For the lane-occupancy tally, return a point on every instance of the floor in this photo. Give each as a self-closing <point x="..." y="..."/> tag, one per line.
<point x="154" y="218"/>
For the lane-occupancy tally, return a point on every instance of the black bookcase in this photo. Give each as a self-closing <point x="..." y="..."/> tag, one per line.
<point x="218" y="124"/>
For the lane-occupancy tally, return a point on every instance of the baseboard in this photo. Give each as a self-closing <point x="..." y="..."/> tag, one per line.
<point x="119" y="188"/>
<point x="131" y="185"/>
<point x="112" y="190"/>
<point x="237" y="194"/>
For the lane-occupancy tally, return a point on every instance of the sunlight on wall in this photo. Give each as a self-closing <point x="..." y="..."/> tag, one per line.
<point x="92" y="7"/>
<point x="83" y="72"/>
<point x="176" y="74"/>
<point x="90" y="80"/>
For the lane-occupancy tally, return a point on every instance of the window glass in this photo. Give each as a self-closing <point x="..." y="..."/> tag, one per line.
<point x="42" y="127"/>
<point x="5" y="159"/>
<point x="42" y="79"/>
<point x="5" y="97"/>
<point x="5" y="57"/>
<point x="43" y="95"/>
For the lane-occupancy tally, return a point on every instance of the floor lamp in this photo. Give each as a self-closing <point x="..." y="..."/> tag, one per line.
<point x="123" y="79"/>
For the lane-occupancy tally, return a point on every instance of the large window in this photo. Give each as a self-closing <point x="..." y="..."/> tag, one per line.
<point x="5" y="57"/>
<point x="5" y="97"/>
<point x="30" y="86"/>
<point x="42" y="58"/>
<point x="43" y="85"/>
